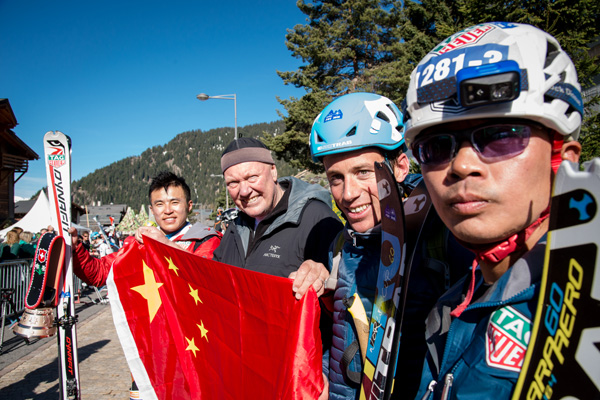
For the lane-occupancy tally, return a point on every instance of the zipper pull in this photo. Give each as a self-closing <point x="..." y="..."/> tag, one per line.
<point x="447" y="386"/>
<point x="430" y="388"/>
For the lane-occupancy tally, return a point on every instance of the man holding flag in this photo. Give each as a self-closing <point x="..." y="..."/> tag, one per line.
<point x="192" y="328"/>
<point x="170" y="203"/>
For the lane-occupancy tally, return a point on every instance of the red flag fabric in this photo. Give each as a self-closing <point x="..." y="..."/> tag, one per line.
<point x="193" y="328"/>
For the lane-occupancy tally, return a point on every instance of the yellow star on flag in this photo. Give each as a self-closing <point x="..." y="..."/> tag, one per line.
<point x="192" y="346"/>
<point x="149" y="290"/>
<point x="194" y="294"/>
<point x="203" y="330"/>
<point x="172" y="265"/>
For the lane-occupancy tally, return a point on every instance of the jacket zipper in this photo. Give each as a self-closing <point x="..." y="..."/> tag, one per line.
<point x="430" y="389"/>
<point x="494" y="304"/>
<point x="449" y="378"/>
<point x="447" y="386"/>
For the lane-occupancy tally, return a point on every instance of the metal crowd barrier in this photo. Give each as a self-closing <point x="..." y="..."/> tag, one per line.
<point x="15" y="274"/>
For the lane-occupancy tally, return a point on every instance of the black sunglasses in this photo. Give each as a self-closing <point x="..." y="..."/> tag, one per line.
<point x="493" y="142"/>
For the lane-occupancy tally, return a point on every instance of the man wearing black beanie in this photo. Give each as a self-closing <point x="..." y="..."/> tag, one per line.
<point x="281" y="222"/>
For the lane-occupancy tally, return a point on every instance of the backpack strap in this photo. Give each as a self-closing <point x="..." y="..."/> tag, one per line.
<point x="331" y="282"/>
<point x="353" y="376"/>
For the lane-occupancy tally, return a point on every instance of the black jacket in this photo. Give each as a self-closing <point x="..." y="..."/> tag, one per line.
<point x="301" y="227"/>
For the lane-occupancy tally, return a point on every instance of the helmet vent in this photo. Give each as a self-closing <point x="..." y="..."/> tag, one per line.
<point x="568" y="112"/>
<point x="551" y="52"/>
<point x="382" y="116"/>
<point x="393" y="111"/>
<point x="563" y="75"/>
<point x="351" y="132"/>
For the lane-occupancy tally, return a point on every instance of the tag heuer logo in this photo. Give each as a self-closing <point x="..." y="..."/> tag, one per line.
<point x="507" y="338"/>
<point x="466" y="37"/>
<point x="56" y="160"/>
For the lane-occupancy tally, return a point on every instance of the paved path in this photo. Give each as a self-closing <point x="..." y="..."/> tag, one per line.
<point x="102" y="367"/>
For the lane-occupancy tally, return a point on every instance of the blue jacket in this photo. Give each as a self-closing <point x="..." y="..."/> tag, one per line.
<point x="479" y="354"/>
<point x="357" y="274"/>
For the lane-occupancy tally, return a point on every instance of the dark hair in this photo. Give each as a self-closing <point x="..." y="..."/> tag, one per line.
<point x="393" y="155"/>
<point x="164" y="180"/>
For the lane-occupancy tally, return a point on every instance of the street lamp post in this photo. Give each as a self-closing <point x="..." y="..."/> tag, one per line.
<point x="226" y="191"/>
<point x="204" y="97"/>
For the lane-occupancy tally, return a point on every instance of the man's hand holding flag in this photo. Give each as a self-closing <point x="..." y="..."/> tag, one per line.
<point x="193" y="328"/>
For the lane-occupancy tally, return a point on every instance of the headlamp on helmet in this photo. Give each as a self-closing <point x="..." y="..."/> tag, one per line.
<point x="489" y="84"/>
<point x="495" y="70"/>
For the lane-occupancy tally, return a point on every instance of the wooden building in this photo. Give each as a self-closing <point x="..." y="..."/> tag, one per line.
<point x="14" y="160"/>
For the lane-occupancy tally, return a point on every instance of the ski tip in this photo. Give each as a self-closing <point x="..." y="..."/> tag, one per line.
<point x="55" y="133"/>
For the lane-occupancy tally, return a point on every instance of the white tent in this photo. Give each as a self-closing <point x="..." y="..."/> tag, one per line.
<point x="37" y="218"/>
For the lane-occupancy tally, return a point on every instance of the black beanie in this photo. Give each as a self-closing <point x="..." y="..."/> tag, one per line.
<point x="245" y="149"/>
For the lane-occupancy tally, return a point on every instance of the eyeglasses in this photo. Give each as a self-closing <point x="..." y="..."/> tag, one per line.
<point x="493" y="142"/>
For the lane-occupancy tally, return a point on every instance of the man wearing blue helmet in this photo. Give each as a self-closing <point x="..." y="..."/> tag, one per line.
<point x="491" y="112"/>
<point x="348" y="137"/>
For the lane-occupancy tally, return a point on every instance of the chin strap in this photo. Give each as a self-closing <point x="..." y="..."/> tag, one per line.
<point x="499" y="251"/>
<point x="496" y="253"/>
<point x="557" y="143"/>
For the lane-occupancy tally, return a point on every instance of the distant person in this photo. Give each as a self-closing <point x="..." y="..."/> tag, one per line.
<point x="18" y="230"/>
<point x="85" y="240"/>
<point x="280" y="222"/>
<point x="99" y="247"/>
<point x="26" y="247"/>
<point x="10" y="247"/>
<point x="224" y="218"/>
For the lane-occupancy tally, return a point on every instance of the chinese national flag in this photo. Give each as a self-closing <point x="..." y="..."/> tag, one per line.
<point x="193" y="328"/>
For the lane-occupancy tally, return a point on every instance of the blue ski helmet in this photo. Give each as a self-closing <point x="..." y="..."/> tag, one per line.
<point x="356" y="121"/>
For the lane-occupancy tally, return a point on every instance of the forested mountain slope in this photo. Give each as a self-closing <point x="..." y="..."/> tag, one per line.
<point x="195" y="155"/>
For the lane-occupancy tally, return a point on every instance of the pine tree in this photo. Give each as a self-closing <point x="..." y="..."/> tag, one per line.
<point x="371" y="45"/>
<point x="574" y="23"/>
<point x="344" y="46"/>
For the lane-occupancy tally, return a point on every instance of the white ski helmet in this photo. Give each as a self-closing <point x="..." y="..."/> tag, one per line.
<point x="493" y="70"/>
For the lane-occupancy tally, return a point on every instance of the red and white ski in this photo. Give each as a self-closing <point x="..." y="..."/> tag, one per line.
<point x="57" y="155"/>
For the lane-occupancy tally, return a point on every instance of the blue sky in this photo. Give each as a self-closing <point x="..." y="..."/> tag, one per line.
<point x="122" y="76"/>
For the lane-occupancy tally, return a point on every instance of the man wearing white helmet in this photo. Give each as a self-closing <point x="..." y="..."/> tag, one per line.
<point x="348" y="137"/>
<point x="490" y="113"/>
<point x="99" y="247"/>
